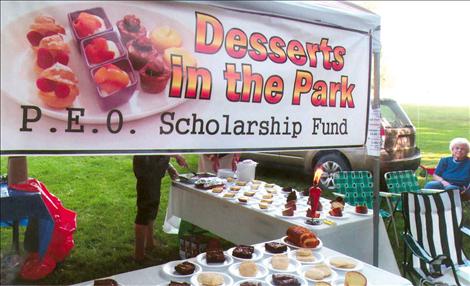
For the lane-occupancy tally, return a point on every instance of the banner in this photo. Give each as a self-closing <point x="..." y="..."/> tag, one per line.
<point x="161" y="77"/>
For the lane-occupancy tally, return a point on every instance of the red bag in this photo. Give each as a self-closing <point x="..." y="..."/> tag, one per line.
<point x="65" y="223"/>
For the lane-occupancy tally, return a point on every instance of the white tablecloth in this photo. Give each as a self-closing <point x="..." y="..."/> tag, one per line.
<point x="243" y="224"/>
<point x="156" y="276"/>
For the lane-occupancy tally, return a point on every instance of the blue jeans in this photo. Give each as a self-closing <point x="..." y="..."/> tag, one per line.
<point x="439" y="186"/>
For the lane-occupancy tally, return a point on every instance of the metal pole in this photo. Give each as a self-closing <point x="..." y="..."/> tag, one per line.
<point x="376" y="163"/>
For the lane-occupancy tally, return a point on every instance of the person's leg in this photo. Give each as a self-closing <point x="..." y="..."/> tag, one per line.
<point x="142" y="218"/>
<point x="434" y="185"/>
<point x="139" y="244"/>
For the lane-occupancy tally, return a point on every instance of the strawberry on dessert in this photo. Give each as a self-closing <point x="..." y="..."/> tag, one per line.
<point x="58" y="86"/>
<point x="141" y="51"/>
<point x="309" y="213"/>
<point x="130" y="28"/>
<point x="154" y="76"/>
<point x="51" y="50"/>
<point x="43" y="26"/>
<point x="87" y="24"/>
<point x="336" y="212"/>
<point x="100" y="50"/>
<point x="110" y="78"/>
<point x="362" y="209"/>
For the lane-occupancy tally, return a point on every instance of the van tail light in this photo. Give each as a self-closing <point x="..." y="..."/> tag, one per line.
<point x="382" y="138"/>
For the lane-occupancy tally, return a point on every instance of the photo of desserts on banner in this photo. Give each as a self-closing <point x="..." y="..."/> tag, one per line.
<point x="96" y="58"/>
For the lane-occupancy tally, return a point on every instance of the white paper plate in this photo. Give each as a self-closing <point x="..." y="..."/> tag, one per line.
<point x="319" y="258"/>
<point x="201" y="259"/>
<point x="284" y="240"/>
<point x="234" y="270"/>
<point x="263" y="249"/>
<point x="359" y="264"/>
<point x="302" y="281"/>
<point x="263" y="283"/>
<point x="304" y="268"/>
<point x="340" y="282"/>
<point x="257" y="255"/>
<point x="345" y="216"/>
<point x="369" y="212"/>
<point x="293" y="265"/>
<point x="169" y="269"/>
<point x="228" y="281"/>
<point x="269" y="209"/>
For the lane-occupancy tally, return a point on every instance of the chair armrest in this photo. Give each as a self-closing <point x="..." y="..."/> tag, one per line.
<point x="465" y="230"/>
<point x="430" y="191"/>
<point x="417" y="250"/>
<point x="389" y="195"/>
<point x="339" y="195"/>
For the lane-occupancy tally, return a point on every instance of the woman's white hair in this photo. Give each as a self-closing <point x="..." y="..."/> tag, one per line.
<point x="459" y="141"/>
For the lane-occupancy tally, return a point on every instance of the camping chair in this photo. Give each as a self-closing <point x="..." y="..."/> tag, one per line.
<point x="433" y="236"/>
<point x="356" y="187"/>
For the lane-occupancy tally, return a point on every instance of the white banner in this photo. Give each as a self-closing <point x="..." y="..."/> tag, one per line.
<point x="117" y="77"/>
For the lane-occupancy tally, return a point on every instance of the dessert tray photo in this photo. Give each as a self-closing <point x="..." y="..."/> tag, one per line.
<point x="95" y="57"/>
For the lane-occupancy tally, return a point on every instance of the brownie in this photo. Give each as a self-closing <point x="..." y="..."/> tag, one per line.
<point x="185" y="268"/>
<point x="105" y="282"/>
<point x="215" y="256"/>
<point x="275" y="247"/>
<point x="243" y="251"/>
<point x="174" y="283"/>
<point x="285" y="280"/>
<point x="287" y="189"/>
<point x="250" y="283"/>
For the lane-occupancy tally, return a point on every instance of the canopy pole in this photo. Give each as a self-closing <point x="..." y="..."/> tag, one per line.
<point x="376" y="164"/>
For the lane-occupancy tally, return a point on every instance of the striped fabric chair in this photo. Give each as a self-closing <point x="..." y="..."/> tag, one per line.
<point x="433" y="236"/>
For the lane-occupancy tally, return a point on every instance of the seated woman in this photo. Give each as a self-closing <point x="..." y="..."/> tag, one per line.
<point x="453" y="172"/>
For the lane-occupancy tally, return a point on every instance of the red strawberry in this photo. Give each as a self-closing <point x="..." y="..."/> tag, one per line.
<point x="45" y="58"/>
<point x="45" y="84"/>
<point x="105" y="55"/>
<point x="34" y="38"/>
<point x="62" y="57"/>
<point x="62" y="90"/>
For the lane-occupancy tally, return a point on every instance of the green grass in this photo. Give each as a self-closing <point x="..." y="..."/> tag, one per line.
<point x="102" y="192"/>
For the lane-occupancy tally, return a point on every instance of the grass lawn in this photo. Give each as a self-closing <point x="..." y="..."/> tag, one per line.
<point x="101" y="190"/>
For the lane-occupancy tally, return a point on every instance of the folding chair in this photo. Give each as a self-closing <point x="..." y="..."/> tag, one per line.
<point x="356" y="187"/>
<point x="433" y="236"/>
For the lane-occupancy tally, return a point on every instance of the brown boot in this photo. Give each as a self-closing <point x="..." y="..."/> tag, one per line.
<point x="140" y="237"/>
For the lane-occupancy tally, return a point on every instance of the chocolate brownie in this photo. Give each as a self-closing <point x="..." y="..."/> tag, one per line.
<point x="287" y="189"/>
<point x="174" y="283"/>
<point x="185" y="268"/>
<point x="275" y="247"/>
<point x="285" y="280"/>
<point x="105" y="282"/>
<point x="215" y="256"/>
<point x="250" y="283"/>
<point x="243" y="251"/>
<point x="292" y="196"/>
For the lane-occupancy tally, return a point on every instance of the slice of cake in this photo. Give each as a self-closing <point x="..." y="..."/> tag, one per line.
<point x="275" y="247"/>
<point x="215" y="256"/>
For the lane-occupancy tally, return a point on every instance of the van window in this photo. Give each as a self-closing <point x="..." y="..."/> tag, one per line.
<point x="393" y="115"/>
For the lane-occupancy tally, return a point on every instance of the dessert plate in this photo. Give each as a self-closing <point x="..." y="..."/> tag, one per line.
<point x="234" y="270"/>
<point x="358" y="267"/>
<point x="292" y="267"/>
<point x="297" y="214"/>
<point x="305" y="268"/>
<point x="345" y="216"/>
<point x="257" y="255"/>
<point x="169" y="269"/>
<point x="263" y="249"/>
<point x="286" y="241"/>
<point x="201" y="259"/>
<point x="228" y="281"/>
<point x="318" y="257"/>
<point x="255" y="281"/>
<point x="19" y="82"/>
<point x="302" y="281"/>
<point x="369" y="213"/>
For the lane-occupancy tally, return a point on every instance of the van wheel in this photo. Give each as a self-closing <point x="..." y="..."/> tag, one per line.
<point x="330" y="164"/>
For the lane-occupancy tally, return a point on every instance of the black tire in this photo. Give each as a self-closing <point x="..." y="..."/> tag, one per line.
<point x="330" y="163"/>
